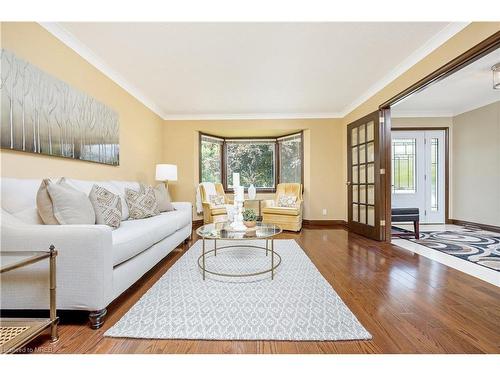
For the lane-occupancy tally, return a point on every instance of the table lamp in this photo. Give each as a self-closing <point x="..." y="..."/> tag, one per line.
<point x="166" y="172"/>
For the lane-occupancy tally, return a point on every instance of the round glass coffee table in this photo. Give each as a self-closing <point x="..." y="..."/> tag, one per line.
<point x="222" y="231"/>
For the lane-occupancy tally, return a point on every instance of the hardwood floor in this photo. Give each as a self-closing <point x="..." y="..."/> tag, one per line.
<point x="410" y="304"/>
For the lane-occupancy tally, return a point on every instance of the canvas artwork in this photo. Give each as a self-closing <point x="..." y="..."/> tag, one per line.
<point x="44" y="115"/>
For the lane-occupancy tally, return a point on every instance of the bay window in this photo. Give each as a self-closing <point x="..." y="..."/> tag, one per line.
<point x="263" y="162"/>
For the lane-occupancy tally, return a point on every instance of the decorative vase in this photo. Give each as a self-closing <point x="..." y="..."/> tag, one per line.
<point x="252" y="191"/>
<point x="250" y="224"/>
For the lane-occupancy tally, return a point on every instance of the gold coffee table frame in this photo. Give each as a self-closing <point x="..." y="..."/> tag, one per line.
<point x="17" y="332"/>
<point x="220" y="231"/>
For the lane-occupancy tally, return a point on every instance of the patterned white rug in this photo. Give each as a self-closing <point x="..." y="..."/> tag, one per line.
<point x="298" y="304"/>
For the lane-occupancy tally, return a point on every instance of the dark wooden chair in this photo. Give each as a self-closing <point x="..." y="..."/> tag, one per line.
<point x="406" y="215"/>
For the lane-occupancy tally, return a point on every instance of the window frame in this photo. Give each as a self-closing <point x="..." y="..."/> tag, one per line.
<point x="277" y="158"/>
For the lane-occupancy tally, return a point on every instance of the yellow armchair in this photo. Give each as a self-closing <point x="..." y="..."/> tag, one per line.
<point x="213" y="213"/>
<point x="288" y="218"/>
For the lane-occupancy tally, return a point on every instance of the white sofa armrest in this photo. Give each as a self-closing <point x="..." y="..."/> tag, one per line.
<point x="183" y="206"/>
<point x="84" y="266"/>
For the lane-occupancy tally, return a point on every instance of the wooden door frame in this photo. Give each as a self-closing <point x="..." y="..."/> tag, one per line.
<point x="446" y="130"/>
<point x="483" y="48"/>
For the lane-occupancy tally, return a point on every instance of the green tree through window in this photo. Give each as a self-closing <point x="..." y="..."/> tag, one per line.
<point x="256" y="160"/>
<point x="253" y="160"/>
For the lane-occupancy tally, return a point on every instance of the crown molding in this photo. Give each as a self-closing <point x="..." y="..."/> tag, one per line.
<point x="86" y="53"/>
<point x="437" y="40"/>
<point x="405" y="114"/>
<point x="254" y="116"/>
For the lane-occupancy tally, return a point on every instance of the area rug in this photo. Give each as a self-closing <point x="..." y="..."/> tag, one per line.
<point x="299" y="304"/>
<point x="477" y="246"/>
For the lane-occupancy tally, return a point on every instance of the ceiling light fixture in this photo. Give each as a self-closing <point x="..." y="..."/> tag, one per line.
<point x="496" y="76"/>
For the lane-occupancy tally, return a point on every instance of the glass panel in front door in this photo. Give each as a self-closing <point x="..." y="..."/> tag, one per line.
<point x="417" y="173"/>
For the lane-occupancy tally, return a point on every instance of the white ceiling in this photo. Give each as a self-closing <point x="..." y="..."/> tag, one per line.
<point x="253" y="70"/>
<point x="465" y="90"/>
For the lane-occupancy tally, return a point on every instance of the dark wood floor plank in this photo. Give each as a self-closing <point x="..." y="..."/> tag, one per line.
<point x="410" y="304"/>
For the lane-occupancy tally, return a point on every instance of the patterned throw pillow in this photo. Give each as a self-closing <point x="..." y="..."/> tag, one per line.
<point x="216" y="200"/>
<point x="107" y="206"/>
<point x="142" y="203"/>
<point x="287" y="201"/>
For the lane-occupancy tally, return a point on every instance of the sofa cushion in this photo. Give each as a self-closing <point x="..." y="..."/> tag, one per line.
<point x="116" y="187"/>
<point x="120" y="186"/>
<point x="107" y="206"/>
<point x="291" y="211"/>
<point x="163" y="198"/>
<point x="141" y="204"/>
<point x="135" y="236"/>
<point x="18" y="198"/>
<point x="44" y="203"/>
<point x="71" y="206"/>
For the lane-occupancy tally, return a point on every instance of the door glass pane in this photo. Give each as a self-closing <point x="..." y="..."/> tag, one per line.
<point x="371" y="215"/>
<point x="355" y="212"/>
<point x="354" y="155"/>
<point x="371" y="173"/>
<point x="362" y="154"/>
<point x="362" y="130"/>
<point x="434" y="174"/>
<point x="354" y="136"/>
<point x="355" y="193"/>
<point x="355" y="174"/>
<point x="369" y="131"/>
<point x="362" y="173"/>
<point x="370" y="152"/>
<point x="362" y="193"/>
<point x="403" y="166"/>
<point x="362" y="214"/>
<point x="371" y="194"/>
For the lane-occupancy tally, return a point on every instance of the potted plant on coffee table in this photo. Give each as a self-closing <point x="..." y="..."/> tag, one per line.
<point x="249" y="218"/>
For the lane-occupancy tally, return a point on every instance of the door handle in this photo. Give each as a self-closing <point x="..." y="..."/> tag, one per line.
<point x="348" y="183"/>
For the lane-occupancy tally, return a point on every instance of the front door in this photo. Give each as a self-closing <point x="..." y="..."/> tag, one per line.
<point x="365" y="141"/>
<point x="418" y="172"/>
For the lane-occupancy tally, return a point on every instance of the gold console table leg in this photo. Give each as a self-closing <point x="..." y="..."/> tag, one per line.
<point x="54" y="336"/>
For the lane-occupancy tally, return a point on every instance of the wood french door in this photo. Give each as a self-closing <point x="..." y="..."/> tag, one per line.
<point x="366" y="139"/>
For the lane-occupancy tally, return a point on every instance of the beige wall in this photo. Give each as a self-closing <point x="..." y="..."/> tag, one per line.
<point x="323" y="157"/>
<point x="140" y="129"/>
<point x="145" y="139"/>
<point x="476" y="171"/>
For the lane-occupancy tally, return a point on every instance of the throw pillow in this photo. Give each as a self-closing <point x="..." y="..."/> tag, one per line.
<point x="287" y="200"/>
<point x="70" y="206"/>
<point x="44" y="203"/>
<point x="216" y="200"/>
<point x="107" y="206"/>
<point x="142" y="203"/>
<point x="163" y="198"/>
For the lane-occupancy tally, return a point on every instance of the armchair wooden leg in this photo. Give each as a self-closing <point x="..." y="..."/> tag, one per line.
<point x="97" y="318"/>
<point x="416" y="229"/>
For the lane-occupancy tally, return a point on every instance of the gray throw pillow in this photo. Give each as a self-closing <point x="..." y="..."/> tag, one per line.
<point x="71" y="206"/>
<point x="162" y="198"/>
<point x="142" y="203"/>
<point x="107" y="206"/>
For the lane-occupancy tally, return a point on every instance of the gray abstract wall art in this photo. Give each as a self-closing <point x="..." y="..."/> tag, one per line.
<point x="42" y="114"/>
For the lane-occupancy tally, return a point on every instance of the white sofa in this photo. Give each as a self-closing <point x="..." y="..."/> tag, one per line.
<point x="95" y="264"/>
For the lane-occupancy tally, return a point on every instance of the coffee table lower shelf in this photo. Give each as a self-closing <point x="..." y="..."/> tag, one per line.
<point x="17" y="332"/>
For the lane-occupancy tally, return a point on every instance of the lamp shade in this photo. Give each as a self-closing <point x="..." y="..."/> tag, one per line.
<point x="166" y="172"/>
